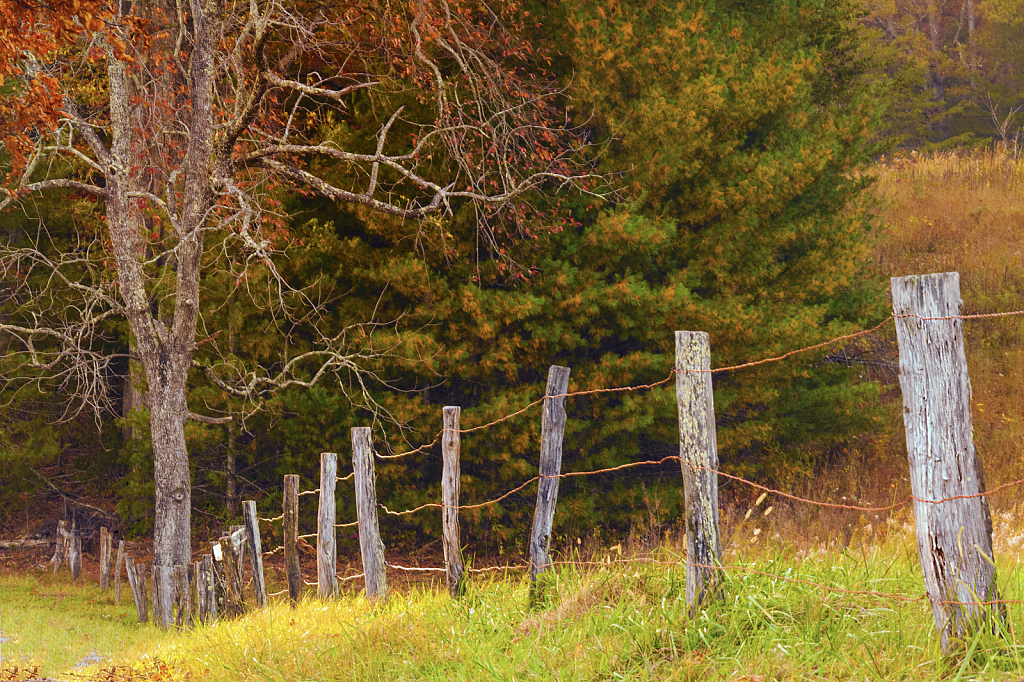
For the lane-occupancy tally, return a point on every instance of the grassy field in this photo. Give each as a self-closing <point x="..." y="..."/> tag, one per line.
<point x="50" y="623"/>
<point x="785" y="615"/>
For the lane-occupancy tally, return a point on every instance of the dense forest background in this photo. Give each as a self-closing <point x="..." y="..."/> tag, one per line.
<point x="738" y="136"/>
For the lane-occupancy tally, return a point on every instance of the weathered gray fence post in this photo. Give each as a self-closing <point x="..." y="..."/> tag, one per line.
<point x="370" y="545"/>
<point x="117" y="572"/>
<point x="291" y="537"/>
<point x="954" y="536"/>
<point x="75" y="554"/>
<point x="326" y="533"/>
<point x="233" y="592"/>
<point x="552" y="428"/>
<point x="209" y="588"/>
<point x="136" y="582"/>
<point x="63" y="548"/>
<point x="252" y="533"/>
<point x="105" y="547"/>
<point x="698" y="454"/>
<point x="180" y="578"/>
<point x="163" y="595"/>
<point x="450" y="449"/>
<point x="238" y="542"/>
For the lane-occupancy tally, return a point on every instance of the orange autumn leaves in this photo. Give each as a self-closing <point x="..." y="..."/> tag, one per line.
<point x="32" y="37"/>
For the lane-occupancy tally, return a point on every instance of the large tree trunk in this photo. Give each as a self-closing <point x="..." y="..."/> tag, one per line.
<point x="172" y="534"/>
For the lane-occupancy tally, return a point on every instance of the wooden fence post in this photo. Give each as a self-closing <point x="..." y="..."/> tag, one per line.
<point x="238" y="542"/>
<point x="105" y="547"/>
<point x="62" y="549"/>
<point x="200" y="588"/>
<point x="138" y="592"/>
<point x="552" y="428"/>
<point x="698" y="454"/>
<point x="252" y="533"/>
<point x="163" y="595"/>
<point x="117" y="572"/>
<point x="143" y="604"/>
<point x="954" y="536"/>
<point x="291" y="537"/>
<point x="209" y="589"/>
<point x="75" y="554"/>
<point x="180" y="580"/>
<point x="232" y="593"/>
<point x="450" y="450"/>
<point x="370" y="545"/>
<point x="326" y="533"/>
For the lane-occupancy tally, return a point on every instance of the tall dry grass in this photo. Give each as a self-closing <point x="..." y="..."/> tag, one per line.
<point x="964" y="211"/>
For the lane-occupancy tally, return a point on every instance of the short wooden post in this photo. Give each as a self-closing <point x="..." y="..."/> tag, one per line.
<point x="201" y="603"/>
<point x="117" y="572"/>
<point x="450" y="447"/>
<point x="209" y="588"/>
<point x="371" y="547"/>
<point x="138" y="593"/>
<point x="954" y="536"/>
<point x="143" y="600"/>
<point x="233" y="592"/>
<point x="180" y="579"/>
<point x="75" y="554"/>
<point x="552" y="429"/>
<point x="698" y="455"/>
<point x="291" y="537"/>
<point x="163" y="595"/>
<point x="218" y="580"/>
<point x="105" y="547"/>
<point x="326" y="533"/>
<point x="252" y="533"/>
<point x="190" y="604"/>
<point x="63" y="547"/>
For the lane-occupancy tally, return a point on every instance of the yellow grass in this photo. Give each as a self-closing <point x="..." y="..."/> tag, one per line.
<point x="964" y="211"/>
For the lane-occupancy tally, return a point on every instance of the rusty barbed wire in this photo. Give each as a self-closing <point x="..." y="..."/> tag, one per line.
<point x="410" y="452"/>
<point x="738" y="479"/>
<point x="308" y="492"/>
<point x="273" y="520"/>
<point x="340" y="479"/>
<point x="713" y="370"/>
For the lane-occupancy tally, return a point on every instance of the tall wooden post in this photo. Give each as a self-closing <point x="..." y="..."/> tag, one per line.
<point x="252" y="533"/>
<point x="552" y="429"/>
<point x="954" y="537"/>
<point x="698" y="453"/>
<point x="371" y="547"/>
<point x="326" y="533"/>
<point x="450" y="446"/>
<point x="291" y="537"/>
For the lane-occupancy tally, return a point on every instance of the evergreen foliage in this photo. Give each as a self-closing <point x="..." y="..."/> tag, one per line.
<point x="743" y="128"/>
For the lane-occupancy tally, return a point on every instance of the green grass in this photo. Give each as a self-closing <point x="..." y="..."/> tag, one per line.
<point x="52" y="624"/>
<point x="620" y="622"/>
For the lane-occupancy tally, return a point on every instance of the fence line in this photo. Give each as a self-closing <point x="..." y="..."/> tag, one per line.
<point x="227" y="570"/>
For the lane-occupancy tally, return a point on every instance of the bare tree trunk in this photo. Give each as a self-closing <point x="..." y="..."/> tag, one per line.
<point x="172" y="524"/>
